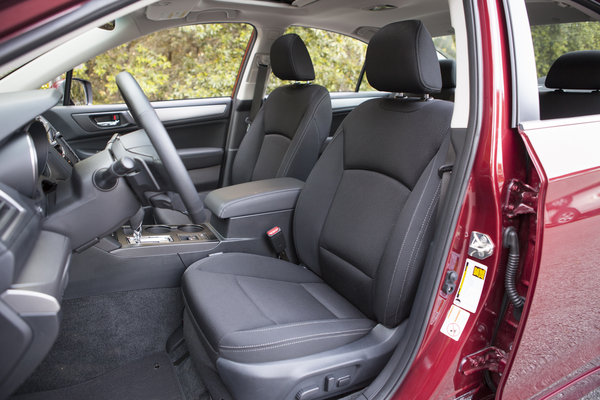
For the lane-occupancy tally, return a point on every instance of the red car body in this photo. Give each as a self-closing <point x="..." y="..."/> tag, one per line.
<point x="553" y="350"/>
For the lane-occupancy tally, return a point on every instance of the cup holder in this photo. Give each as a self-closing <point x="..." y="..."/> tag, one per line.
<point x="191" y="228"/>
<point x="158" y="229"/>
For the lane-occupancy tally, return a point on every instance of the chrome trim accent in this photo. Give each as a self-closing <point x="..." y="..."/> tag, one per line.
<point x="30" y="302"/>
<point x="21" y="212"/>
<point x="33" y="157"/>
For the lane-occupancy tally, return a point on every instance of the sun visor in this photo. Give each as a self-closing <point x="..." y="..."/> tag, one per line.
<point x="165" y="10"/>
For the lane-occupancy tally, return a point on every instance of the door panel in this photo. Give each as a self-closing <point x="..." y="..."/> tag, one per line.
<point x="197" y="127"/>
<point x="563" y="305"/>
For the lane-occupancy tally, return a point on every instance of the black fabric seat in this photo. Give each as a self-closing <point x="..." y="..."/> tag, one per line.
<point x="574" y="76"/>
<point x="448" y="70"/>
<point x="288" y="131"/>
<point x="362" y="227"/>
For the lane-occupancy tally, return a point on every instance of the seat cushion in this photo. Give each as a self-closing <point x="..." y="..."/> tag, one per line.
<point x="251" y="308"/>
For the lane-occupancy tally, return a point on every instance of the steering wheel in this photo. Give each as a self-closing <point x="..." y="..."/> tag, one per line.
<point x="146" y="118"/>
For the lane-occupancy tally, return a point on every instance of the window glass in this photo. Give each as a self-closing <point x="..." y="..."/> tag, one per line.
<point x="338" y="59"/>
<point x="552" y="41"/>
<point x="446" y="46"/>
<point x="178" y="63"/>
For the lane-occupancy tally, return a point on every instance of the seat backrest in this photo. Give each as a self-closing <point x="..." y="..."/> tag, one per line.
<point x="363" y="221"/>
<point x="448" y="70"/>
<point x="576" y="81"/>
<point x="289" y="129"/>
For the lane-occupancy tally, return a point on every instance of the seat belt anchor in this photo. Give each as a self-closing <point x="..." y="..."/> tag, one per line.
<point x="277" y="240"/>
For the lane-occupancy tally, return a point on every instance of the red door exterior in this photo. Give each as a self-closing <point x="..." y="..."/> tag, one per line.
<point x="557" y="354"/>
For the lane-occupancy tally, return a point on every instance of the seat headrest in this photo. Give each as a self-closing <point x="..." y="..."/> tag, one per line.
<point x="290" y="59"/>
<point x="448" y="70"/>
<point x="401" y="57"/>
<point x="575" y="70"/>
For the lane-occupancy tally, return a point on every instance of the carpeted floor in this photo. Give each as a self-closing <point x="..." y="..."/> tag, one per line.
<point x="104" y="337"/>
<point x="152" y="377"/>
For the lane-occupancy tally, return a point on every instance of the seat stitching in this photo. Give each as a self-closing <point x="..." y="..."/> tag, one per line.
<point x="288" y="344"/>
<point x="252" y="300"/>
<point x="317" y="300"/>
<point x="233" y="202"/>
<point x="402" y="248"/>
<point x="344" y="260"/>
<point x="278" y="343"/>
<point x="303" y="135"/>
<point x="325" y="321"/>
<point x="425" y="224"/>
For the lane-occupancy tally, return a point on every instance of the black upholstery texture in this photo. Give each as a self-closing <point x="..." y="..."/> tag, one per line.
<point x="575" y="70"/>
<point x="255" y="309"/>
<point x="290" y="59"/>
<point x="362" y="227"/>
<point x="366" y="209"/>
<point x="448" y="70"/>
<point x="286" y="135"/>
<point x="401" y="58"/>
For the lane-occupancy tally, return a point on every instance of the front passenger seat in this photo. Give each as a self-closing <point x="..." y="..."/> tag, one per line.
<point x="288" y="131"/>
<point x="362" y="227"/>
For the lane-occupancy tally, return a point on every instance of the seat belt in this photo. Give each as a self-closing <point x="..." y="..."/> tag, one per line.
<point x="444" y="172"/>
<point x="259" y="86"/>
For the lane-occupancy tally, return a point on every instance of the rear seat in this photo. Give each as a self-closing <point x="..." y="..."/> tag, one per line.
<point x="448" y="70"/>
<point x="575" y="77"/>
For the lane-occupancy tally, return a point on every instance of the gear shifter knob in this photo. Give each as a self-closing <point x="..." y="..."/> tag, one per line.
<point x="106" y="178"/>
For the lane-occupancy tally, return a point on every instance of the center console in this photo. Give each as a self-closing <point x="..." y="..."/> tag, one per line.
<point x="157" y="255"/>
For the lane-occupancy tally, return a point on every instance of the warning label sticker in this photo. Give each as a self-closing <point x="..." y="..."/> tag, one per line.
<point x="471" y="286"/>
<point x="455" y="322"/>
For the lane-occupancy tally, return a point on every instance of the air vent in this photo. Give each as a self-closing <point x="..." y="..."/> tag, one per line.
<point x="10" y="214"/>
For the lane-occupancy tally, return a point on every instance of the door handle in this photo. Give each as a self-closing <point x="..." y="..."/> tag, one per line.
<point x="108" y="120"/>
<point x="108" y="123"/>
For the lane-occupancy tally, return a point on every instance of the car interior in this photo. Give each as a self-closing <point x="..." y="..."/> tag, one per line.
<point x="242" y="247"/>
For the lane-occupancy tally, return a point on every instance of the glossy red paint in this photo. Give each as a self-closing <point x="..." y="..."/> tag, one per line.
<point x="565" y="364"/>
<point x="500" y="158"/>
<point x="19" y="16"/>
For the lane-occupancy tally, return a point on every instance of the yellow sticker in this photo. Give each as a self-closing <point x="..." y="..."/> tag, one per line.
<point x="471" y="286"/>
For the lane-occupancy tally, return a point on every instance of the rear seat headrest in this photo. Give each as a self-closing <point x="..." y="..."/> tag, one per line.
<point x="290" y="59"/>
<point x="575" y="70"/>
<point x="448" y="70"/>
<point x="401" y="57"/>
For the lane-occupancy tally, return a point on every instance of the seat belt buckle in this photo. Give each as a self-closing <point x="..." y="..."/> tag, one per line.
<point x="277" y="240"/>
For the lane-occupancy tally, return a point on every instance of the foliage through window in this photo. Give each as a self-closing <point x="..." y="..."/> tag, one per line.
<point x="552" y="41"/>
<point x="178" y="63"/>
<point x="338" y="59"/>
<point x="446" y="46"/>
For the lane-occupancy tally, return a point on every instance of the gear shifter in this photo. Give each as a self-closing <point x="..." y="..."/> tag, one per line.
<point x="135" y="222"/>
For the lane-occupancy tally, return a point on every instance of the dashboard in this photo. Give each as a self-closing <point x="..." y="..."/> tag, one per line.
<point x="49" y="207"/>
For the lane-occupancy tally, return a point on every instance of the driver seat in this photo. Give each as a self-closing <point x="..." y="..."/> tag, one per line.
<point x="288" y="131"/>
<point x="363" y="223"/>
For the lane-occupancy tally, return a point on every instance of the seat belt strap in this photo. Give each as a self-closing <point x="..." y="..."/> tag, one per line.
<point x="259" y="87"/>
<point x="445" y="171"/>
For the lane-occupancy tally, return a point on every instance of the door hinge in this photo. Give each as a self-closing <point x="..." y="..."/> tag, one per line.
<point x="520" y="199"/>
<point x="491" y="358"/>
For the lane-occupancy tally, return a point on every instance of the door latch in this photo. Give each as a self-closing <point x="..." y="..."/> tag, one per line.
<point x="520" y="199"/>
<point x="490" y="358"/>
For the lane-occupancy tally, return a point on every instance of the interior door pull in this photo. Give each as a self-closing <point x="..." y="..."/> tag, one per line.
<point x="108" y="123"/>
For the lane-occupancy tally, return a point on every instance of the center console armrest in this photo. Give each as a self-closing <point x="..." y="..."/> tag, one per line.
<point x="256" y="197"/>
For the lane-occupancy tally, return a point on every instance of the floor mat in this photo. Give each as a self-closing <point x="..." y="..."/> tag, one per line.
<point x="152" y="377"/>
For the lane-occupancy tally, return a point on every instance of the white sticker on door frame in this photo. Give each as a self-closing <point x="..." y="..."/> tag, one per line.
<point x="471" y="286"/>
<point x="455" y="322"/>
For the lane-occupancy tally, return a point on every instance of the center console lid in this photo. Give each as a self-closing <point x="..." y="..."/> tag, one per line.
<point x="256" y="197"/>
